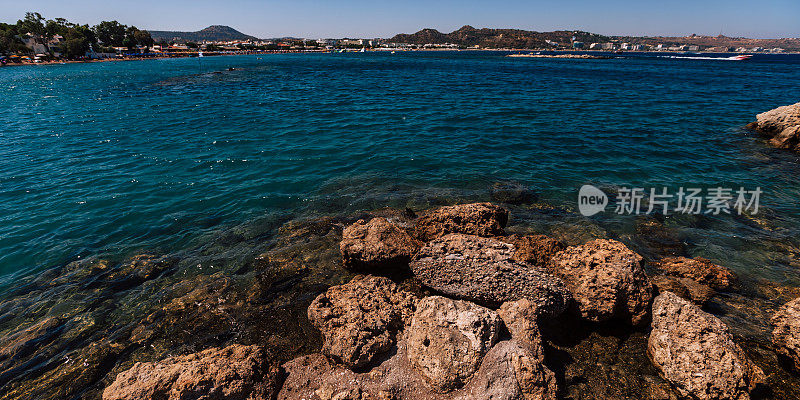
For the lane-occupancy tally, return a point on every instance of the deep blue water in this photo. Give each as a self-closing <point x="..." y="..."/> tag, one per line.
<point x="118" y="156"/>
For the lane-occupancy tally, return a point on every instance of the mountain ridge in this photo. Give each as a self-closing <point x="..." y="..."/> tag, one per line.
<point x="211" y="33"/>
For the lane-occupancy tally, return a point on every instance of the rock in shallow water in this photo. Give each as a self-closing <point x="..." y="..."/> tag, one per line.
<point x="360" y="319"/>
<point x="512" y="192"/>
<point x="781" y="125"/>
<point x="695" y="352"/>
<point x="698" y="269"/>
<point x="377" y="246"/>
<point x="235" y="372"/>
<point x="786" y="335"/>
<point x="606" y="279"/>
<point x="684" y="287"/>
<point x="483" y="270"/>
<point x="448" y="338"/>
<point x="480" y="219"/>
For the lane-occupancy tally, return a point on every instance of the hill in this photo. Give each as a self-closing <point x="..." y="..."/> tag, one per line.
<point x="497" y="38"/>
<point x="212" y="33"/>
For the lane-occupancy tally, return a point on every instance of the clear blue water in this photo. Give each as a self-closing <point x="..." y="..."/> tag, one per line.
<point x="119" y="156"/>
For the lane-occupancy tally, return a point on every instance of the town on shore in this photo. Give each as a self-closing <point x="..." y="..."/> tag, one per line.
<point x="35" y="39"/>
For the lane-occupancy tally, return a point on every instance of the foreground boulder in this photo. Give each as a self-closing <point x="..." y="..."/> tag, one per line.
<point x="235" y="372"/>
<point x="607" y="280"/>
<point x="786" y="335"/>
<point x="695" y="352"/>
<point x="534" y="249"/>
<point x="376" y="246"/>
<point x="698" y="269"/>
<point x="509" y="371"/>
<point x="781" y="125"/>
<point x="448" y="339"/>
<point x="483" y="270"/>
<point x="480" y="219"/>
<point x="360" y="319"/>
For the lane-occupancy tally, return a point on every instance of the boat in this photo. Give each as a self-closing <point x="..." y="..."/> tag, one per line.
<point x="741" y="57"/>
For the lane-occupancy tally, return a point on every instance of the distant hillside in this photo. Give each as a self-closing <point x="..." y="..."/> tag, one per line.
<point x="497" y="38"/>
<point x="521" y="39"/>
<point x="213" y="33"/>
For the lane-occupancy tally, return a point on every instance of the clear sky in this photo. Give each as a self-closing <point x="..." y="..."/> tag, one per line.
<point x="367" y="19"/>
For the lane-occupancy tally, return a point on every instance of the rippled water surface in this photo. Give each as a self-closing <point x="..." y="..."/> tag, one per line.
<point x="117" y="156"/>
<point x="238" y="181"/>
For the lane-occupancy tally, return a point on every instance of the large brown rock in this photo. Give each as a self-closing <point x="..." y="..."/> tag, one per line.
<point x="483" y="270"/>
<point x="534" y="249"/>
<point x="606" y="279"/>
<point x="521" y="318"/>
<point x="698" y="269"/>
<point x="360" y="319"/>
<point x="376" y="245"/>
<point x="786" y="335"/>
<point x="480" y="219"/>
<point x="509" y="371"/>
<point x="696" y="353"/>
<point x="448" y="339"/>
<point x="235" y="372"/>
<point x="781" y="125"/>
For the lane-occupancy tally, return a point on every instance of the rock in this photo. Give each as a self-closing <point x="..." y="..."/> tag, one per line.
<point x="448" y="339"/>
<point x="698" y="269"/>
<point x="786" y="335"/>
<point x="781" y="125"/>
<point x="696" y="353"/>
<point x="483" y="270"/>
<point x="376" y="245"/>
<point x="606" y="279"/>
<point x="480" y="219"/>
<point x="534" y="249"/>
<point x="684" y="287"/>
<point x="512" y="192"/>
<point x="510" y="371"/>
<point x="234" y="372"/>
<point x="360" y="319"/>
<point x="521" y="319"/>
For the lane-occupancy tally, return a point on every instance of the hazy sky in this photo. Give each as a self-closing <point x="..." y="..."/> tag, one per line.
<point x="357" y="18"/>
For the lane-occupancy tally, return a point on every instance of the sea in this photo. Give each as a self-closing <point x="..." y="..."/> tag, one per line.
<point x="211" y="161"/>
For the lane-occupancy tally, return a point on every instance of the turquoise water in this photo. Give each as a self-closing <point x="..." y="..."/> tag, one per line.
<point x="122" y="156"/>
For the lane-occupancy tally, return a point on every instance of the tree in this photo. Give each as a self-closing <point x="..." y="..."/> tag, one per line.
<point x="33" y="23"/>
<point x="110" y="33"/>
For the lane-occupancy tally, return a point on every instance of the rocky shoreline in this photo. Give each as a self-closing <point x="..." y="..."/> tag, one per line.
<point x="448" y="306"/>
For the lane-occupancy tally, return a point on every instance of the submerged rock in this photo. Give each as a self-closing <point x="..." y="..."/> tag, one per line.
<point x="483" y="270"/>
<point x="606" y="279"/>
<point x="234" y="372"/>
<point x="534" y="249"/>
<point x="684" y="287"/>
<point x="781" y="126"/>
<point x="512" y="192"/>
<point x="448" y="339"/>
<point x="695" y="352"/>
<point x="698" y="269"/>
<point x="480" y="219"/>
<point x="377" y="245"/>
<point x="786" y="335"/>
<point x="360" y="319"/>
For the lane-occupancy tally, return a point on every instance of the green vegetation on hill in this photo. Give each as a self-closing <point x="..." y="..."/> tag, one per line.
<point x="497" y="38"/>
<point x="214" y="33"/>
<point x="75" y="40"/>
